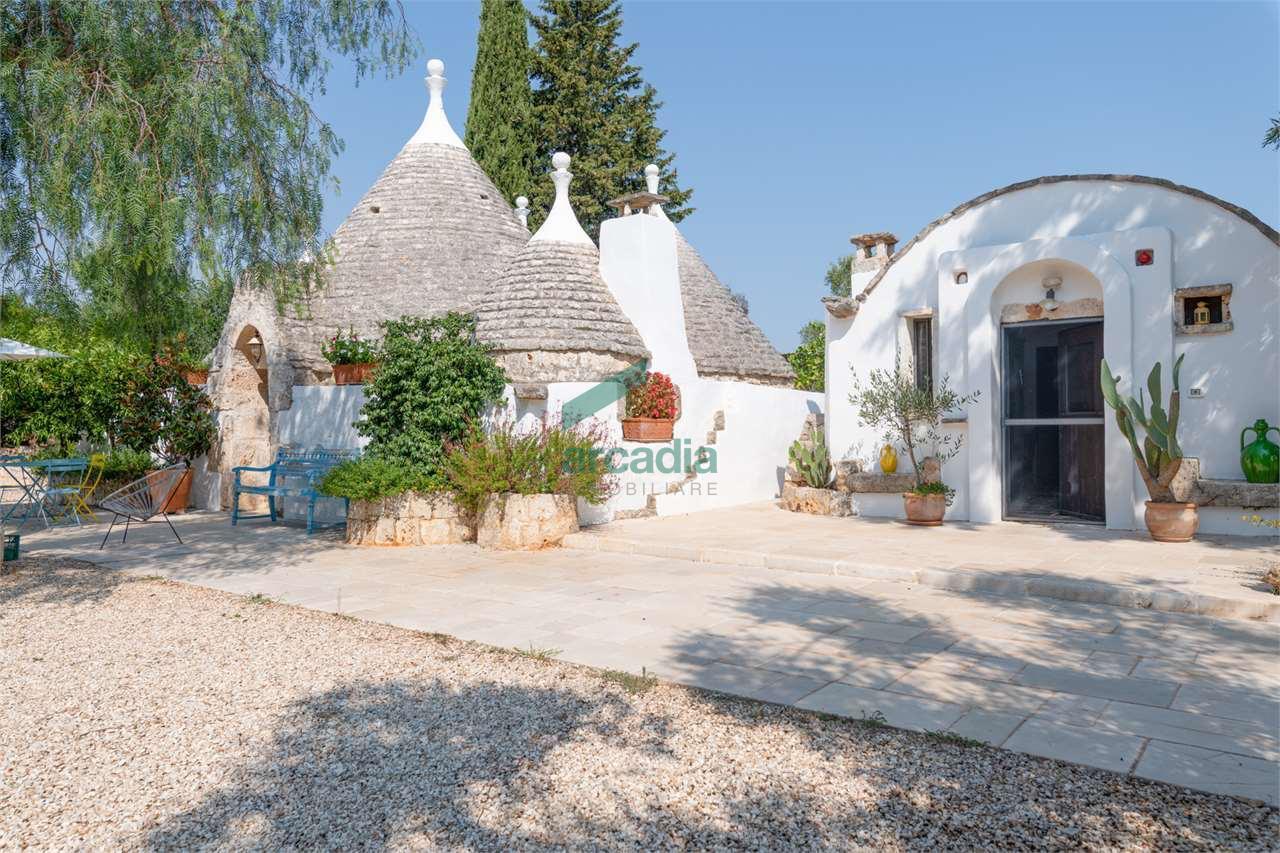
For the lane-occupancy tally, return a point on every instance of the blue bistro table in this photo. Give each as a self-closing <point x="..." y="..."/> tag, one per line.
<point x="35" y="478"/>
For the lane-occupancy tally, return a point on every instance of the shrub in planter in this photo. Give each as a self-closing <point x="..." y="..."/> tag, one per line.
<point x="1160" y="456"/>
<point x="352" y="357"/>
<point x="653" y="404"/>
<point x="392" y="504"/>
<point x="523" y="485"/>
<point x="164" y="412"/>
<point x="812" y="463"/>
<point x="911" y="417"/>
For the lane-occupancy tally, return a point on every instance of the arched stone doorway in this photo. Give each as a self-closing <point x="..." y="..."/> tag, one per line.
<point x="244" y="415"/>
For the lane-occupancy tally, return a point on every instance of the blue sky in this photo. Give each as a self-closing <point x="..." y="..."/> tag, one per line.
<point x="799" y="124"/>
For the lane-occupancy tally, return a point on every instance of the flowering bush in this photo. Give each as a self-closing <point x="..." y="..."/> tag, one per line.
<point x="655" y="397"/>
<point x="549" y="459"/>
<point x="349" y="348"/>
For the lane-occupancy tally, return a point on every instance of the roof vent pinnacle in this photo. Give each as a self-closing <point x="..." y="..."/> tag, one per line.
<point x="562" y="223"/>
<point x="649" y="201"/>
<point x="435" y="127"/>
<point x="522" y="210"/>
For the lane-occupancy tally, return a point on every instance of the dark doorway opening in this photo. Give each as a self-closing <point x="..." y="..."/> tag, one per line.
<point x="1054" y="459"/>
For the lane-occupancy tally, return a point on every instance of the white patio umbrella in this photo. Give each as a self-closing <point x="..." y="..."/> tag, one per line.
<point x="11" y="350"/>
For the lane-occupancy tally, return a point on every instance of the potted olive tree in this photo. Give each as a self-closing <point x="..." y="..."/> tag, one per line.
<point x="1160" y="456"/>
<point x="911" y="416"/>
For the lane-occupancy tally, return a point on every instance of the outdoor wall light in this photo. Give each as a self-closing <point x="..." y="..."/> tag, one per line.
<point x="1144" y="257"/>
<point x="255" y="349"/>
<point x="1051" y="284"/>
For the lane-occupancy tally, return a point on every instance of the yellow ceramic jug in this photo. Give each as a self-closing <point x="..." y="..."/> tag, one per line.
<point x="888" y="459"/>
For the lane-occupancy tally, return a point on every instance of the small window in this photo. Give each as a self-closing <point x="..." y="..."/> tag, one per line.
<point x="922" y="352"/>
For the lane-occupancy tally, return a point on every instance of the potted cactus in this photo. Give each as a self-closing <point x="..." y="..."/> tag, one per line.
<point x="808" y="481"/>
<point x="1159" y="457"/>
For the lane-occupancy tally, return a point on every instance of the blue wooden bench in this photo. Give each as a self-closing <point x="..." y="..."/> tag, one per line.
<point x="295" y="474"/>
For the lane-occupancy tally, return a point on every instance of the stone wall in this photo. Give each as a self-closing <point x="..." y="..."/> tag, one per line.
<point x="409" y="519"/>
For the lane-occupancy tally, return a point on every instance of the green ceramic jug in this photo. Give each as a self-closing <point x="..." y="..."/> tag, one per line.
<point x="1260" y="460"/>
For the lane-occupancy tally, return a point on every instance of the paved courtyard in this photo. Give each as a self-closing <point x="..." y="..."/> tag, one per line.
<point x="1176" y="697"/>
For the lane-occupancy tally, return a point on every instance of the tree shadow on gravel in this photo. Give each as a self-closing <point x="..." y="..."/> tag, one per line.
<point x="373" y="765"/>
<point x="494" y="766"/>
<point x="55" y="580"/>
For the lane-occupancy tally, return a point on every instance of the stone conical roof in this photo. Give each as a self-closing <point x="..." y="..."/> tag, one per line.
<point x="549" y="315"/>
<point x="724" y="341"/>
<point x="429" y="237"/>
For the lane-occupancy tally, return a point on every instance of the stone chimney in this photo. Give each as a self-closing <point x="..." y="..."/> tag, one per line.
<point x="649" y="201"/>
<point x="873" y="251"/>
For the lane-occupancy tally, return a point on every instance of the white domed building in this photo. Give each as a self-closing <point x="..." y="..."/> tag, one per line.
<point x="1018" y="295"/>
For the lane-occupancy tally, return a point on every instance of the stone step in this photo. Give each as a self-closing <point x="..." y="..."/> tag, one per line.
<point x="961" y="580"/>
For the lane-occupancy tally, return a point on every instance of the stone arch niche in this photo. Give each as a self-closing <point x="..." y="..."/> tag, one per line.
<point x="244" y="414"/>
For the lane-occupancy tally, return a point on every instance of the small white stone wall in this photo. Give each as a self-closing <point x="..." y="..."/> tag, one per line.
<point x="760" y="423"/>
<point x="1089" y="232"/>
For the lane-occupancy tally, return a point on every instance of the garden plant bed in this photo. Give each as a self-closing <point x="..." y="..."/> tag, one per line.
<point x="196" y="749"/>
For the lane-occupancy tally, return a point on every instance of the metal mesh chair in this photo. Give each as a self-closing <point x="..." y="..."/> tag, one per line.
<point x="142" y="500"/>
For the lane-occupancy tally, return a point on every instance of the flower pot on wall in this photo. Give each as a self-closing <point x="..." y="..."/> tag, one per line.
<point x="647" y="429"/>
<point x="924" y="510"/>
<point x="352" y="374"/>
<point x="1172" y="522"/>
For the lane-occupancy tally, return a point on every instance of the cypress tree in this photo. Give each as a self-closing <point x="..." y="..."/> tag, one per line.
<point x="590" y="101"/>
<point x="499" y="119"/>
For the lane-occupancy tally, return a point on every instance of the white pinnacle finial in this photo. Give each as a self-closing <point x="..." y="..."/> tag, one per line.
<point x="522" y="210"/>
<point x="562" y="224"/>
<point x="651" y="177"/>
<point x="435" y="127"/>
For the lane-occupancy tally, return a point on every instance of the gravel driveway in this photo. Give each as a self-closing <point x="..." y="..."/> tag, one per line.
<point x="147" y="714"/>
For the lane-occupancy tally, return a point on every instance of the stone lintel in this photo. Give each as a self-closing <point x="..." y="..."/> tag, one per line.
<point x="530" y="390"/>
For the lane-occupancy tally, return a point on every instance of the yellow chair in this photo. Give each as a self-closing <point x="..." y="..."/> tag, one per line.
<point x="77" y="496"/>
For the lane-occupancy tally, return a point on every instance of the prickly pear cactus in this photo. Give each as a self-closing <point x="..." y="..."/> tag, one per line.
<point x="813" y="462"/>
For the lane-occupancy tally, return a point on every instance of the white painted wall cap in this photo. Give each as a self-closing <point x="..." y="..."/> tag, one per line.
<point x="435" y="127"/>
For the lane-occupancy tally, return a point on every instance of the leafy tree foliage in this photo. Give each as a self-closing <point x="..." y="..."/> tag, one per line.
<point x="146" y="142"/>
<point x="162" y="411"/>
<point x="590" y="101"/>
<point x="839" y="277"/>
<point x="809" y="359"/>
<point x="61" y="400"/>
<point x="433" y="380"/>
<point x="500" y="129"/>
<point x="1272" y="137"/>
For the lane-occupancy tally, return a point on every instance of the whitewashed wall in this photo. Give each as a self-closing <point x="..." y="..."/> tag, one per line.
<point x="1093" y="228"/>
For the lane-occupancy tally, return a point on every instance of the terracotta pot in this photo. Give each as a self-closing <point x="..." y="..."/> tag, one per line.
<point x="924" y="510"/>
<point x="1172" y="522"/>
<point x="181" y="496"/>
<point x="352" y="374"/>
<point x="647" y="429"/>
<point x="196" y="377"/>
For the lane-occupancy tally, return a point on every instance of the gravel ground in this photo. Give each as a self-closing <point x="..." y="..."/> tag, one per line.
<point x="142" y="713"/>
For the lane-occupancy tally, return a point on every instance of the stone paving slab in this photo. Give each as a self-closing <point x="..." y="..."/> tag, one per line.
<point x="1213" y="575"/>
<point x="1183" y="698"/>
